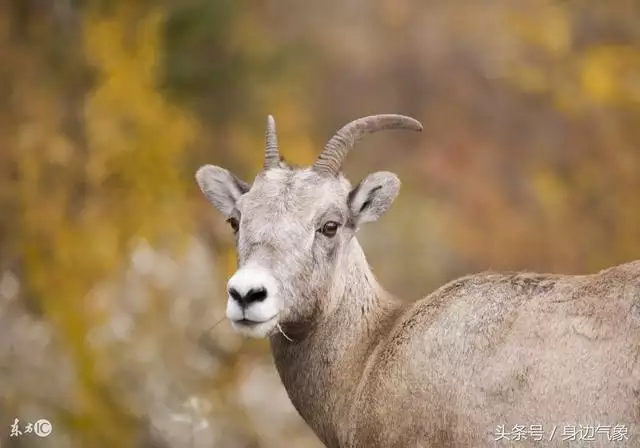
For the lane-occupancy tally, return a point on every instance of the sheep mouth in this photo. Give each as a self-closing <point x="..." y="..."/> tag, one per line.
<point x="248" y="322"/>
<point x="252" y="323"/>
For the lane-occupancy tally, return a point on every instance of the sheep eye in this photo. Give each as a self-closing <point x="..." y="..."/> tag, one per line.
<point x="235" y="225"/>
<point x="330" y="228"/>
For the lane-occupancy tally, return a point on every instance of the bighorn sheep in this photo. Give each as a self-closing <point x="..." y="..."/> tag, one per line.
<point x="514" y="356"/>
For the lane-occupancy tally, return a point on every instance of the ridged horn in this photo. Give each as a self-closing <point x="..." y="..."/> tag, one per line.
<point x="272" y="154"/>
<point x="332" y="157"/>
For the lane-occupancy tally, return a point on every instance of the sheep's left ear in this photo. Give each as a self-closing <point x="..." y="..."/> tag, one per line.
<point x="373" y="196"/>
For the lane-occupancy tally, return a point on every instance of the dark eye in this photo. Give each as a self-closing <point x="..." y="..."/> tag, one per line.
<point x="330" y="228"/>
<point x="235" y="225"/>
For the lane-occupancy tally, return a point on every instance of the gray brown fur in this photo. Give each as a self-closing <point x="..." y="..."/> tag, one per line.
<point x="366" y="370"/>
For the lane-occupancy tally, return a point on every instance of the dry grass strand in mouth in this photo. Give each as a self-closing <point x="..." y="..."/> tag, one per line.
<point x="223" y="318"/>
<point x="206" y="333"/>
<point x="283" y="333"/>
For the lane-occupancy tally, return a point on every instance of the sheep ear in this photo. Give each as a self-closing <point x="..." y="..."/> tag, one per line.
<point x="373" y="196"/>
<point x="221" y="187"/>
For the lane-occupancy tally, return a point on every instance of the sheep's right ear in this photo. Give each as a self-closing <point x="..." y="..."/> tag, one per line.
<point x="221" y="187"/>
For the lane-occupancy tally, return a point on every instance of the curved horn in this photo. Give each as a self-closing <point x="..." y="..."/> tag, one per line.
<point x="330" y="160"/>
<point x="272" y="154"/>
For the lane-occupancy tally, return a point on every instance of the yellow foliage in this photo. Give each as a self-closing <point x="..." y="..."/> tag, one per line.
<point x="545" y="23"/>
<point x="550" y="192"/>
<point x="530" y="78"/>
<point x="132" y="131"/>
<point x="82" y="203"/>
<point x="599" y="74"/>
<point x="608" y="73"/>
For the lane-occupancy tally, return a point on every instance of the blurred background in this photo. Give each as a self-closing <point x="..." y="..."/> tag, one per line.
<point x="113" y="265"/>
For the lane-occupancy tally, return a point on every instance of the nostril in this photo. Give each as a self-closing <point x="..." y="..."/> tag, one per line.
<point x="233" y="292"/>
<point x="253" y="295"/>
<point x="256" y="295"/>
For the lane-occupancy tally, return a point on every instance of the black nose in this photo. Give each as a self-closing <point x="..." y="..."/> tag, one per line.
<point x="253" y="295"/>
